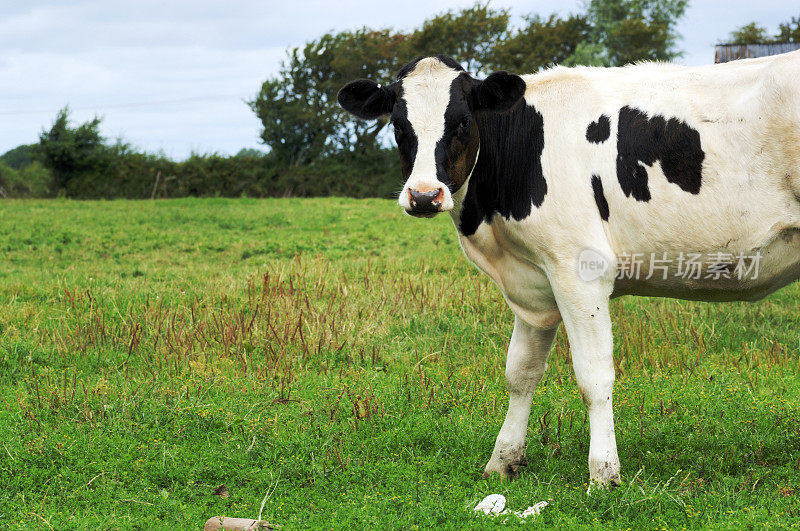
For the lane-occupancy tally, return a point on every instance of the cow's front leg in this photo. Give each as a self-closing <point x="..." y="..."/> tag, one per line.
<point x="584" y="308"/>
<point x="525" y="365"/>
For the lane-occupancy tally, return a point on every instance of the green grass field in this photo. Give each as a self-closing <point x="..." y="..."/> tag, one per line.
<point x="346" y="362"/>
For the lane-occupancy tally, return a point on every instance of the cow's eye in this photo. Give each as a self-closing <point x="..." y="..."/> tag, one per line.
<point x="465" y="124"/>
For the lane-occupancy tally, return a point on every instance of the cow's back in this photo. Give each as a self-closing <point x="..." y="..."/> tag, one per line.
<point x="702" y="159"/>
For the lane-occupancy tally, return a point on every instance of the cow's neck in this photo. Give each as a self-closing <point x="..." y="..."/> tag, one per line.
<point x="507" y="178"/>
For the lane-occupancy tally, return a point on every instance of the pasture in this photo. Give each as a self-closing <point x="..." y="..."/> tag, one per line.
<point x="346" y="362"/>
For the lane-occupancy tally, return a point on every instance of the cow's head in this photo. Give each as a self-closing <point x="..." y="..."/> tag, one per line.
<point x="433" y="106"/>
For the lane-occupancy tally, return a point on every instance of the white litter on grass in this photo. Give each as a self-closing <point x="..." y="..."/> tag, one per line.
<point x="495" y="505"/>
<point x="533" y="510"/>
<point x="492" y="505"/>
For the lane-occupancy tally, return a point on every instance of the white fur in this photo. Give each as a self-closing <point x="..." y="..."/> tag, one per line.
<point x="426" y="90"/>
<point x="748" y="116"/>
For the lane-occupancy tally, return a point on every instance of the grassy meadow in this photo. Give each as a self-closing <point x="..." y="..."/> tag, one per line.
<point x="343" y="364"/>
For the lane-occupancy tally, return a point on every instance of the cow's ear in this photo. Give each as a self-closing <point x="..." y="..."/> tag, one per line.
<point x="366" y="99"/>
<point x="498" y="92"/>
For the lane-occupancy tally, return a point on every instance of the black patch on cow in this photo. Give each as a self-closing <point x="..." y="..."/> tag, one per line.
<point x="508" y="177"/>
<point x="404" y="136"/>
<point x="498" y="92"/>
<point x="599" y="197"/>
<point x="455" y="151"/>
<point x="642" y="141"/>
<point x="367" y="99"/>
<point x="599" y="131"/>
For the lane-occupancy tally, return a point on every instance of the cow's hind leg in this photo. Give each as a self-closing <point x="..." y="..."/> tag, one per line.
<point x="525" y="365"/>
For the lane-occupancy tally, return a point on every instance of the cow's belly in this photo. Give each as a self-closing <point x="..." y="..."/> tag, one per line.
<point x="724" y="276"/>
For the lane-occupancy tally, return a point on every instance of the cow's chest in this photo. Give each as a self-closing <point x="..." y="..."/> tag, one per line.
<point x="525" y="286"/>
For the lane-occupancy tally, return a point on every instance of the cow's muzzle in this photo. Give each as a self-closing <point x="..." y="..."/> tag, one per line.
<point x="425" y="203"/>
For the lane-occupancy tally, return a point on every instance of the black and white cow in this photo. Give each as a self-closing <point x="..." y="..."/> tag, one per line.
<point x="577" y="185"/>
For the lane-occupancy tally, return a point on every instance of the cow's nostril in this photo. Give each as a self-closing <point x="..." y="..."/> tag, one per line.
<point x="425" y="202"/>
<point x="424" y="197"/>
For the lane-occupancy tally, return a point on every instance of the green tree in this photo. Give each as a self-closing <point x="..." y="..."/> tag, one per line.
<point x="540" y="42"/>
<point x="70" y="153"/>
<point x="789" y="31"/>
<point x="751" y="33"/>
<point x="32" y="180"/>
<point x="755" y="33"/>
<point x="20" y="156"/>
<point x="296" y="128"/>
<point x="297" y="108"/>
<point x="636" y="30"/>
<point x="587" y="54"/>
<point x="249" y="152"/>
<point x="470" y="35"/>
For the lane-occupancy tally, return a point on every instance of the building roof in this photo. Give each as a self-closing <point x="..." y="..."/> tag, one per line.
<point x="730" y="52"/>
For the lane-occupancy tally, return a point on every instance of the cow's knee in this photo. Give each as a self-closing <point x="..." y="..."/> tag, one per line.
<point x="597" y="390"/>
<point x="523" y="378"/>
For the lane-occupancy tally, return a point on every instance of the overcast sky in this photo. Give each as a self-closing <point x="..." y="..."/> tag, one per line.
<point x="173" y="75"/>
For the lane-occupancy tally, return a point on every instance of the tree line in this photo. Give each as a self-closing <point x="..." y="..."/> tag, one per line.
<point x="313" y="147"/>
<point x="77" y="161"/>
<point x="302" y="125"/>
<point x="755" y="33"/>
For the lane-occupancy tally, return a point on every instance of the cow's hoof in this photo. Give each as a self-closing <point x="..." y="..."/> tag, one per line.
<point x="595" y="485"/>
<point x="506" y="469"/>
<point x="603" y="475"/>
